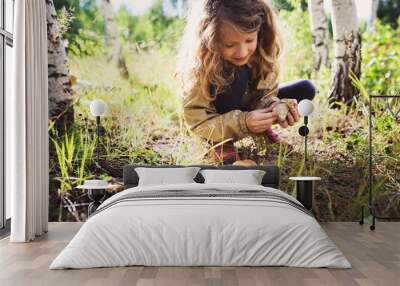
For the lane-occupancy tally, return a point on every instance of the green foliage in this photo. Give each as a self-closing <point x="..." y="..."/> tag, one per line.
<point x="85" y="30"/>
<point x="283" y="5"/>
<point x="291" y="5"/>
<point x="381" y="59"/>
<point x="87" y="43"/>
<point x="145" y="155"/>
<point x="64" y="19"/>
<point x="358" y="84"/>
<point x="353" y="140"/>
<point x="74" y="156"/>
<point x="297" y="45"/>
<point x="154" y="29"/>
<point x="389" y="11"/>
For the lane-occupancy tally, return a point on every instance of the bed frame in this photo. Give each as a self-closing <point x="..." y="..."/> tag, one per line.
<point x="270" y="179"/>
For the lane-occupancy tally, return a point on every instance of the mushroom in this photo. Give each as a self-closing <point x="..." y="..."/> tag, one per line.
<point x="282" y="109"/>
<point x="280" y="106"/>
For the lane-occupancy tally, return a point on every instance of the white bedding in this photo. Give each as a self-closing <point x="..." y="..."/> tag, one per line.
<point x="183" y="231"/>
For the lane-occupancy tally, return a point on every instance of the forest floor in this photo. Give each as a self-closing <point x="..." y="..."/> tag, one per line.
<point x="337" y="197"/>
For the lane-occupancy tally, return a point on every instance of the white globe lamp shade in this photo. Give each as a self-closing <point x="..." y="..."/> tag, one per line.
<point x="98" y="107"/>
<point x="306" y="107"/>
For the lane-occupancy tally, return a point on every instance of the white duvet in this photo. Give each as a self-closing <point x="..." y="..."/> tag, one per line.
<point x="200" y="231"/>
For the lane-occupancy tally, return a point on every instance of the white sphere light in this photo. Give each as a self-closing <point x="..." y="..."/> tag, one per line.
<point x="98" y="107"/>
<point x="306" y="107"/>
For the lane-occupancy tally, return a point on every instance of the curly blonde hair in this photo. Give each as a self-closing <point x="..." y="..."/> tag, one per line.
<point x="199" y="60"/>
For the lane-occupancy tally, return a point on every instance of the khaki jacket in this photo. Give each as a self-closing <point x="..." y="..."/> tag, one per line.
<point x="203" y="119"/>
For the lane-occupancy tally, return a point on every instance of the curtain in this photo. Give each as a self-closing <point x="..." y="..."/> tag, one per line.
<point x="27" y="168"/>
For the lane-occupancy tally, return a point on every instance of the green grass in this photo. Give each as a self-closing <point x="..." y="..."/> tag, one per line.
<point x="74" y="153"/>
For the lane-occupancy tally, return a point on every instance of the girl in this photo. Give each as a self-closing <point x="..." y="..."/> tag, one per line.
<point x="228" y="63"/>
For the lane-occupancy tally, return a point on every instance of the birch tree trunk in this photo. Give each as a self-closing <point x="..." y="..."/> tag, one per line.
<point x="319" y="30"/>
<point x="111" y="36"/>
<point x="347" y="46"/>
<point x="60" y="86"/>
<point x="374" y="13"/>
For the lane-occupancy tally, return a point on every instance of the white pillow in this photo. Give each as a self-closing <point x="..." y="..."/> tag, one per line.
<point x="163" y="176"/>
<point x="249" y="177"/>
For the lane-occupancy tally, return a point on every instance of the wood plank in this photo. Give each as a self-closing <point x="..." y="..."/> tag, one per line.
<point x="375" y="257"/>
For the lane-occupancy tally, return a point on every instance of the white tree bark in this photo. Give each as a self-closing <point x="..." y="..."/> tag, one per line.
<point x="347" y="46"/>
<point x="60" y="87"/>
<point x="111" y="36"/>
<point x="374" y="13"/>
<point x="319" y="30"/>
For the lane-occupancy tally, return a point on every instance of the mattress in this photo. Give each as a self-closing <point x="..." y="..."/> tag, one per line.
<point x="201" y="225"/>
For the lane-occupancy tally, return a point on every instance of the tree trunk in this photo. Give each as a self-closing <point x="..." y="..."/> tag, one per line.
<point x="112" y="42"/>
<point x="347" y="46"/>
<point x="60" y="86"/>
<point x="374" y="13"/>
<point x="319" y="30"/>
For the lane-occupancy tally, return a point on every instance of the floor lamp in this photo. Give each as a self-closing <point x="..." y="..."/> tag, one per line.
<point x="98" y="108"/>
<point x="306" y="107"/>
<point x="97" y="187"/>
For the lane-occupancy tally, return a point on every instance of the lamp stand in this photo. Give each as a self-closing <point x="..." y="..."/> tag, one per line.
<point x="100" y="131"/>
<point x="97" y="147"/>
<point x="303" y="131"/>
<point x="305" y="144"/>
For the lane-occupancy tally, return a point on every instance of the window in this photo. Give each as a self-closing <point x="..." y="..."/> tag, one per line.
<point x="6" y="65"/>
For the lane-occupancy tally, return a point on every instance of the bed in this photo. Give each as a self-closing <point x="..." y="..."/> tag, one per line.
<point x="201" y="224"/>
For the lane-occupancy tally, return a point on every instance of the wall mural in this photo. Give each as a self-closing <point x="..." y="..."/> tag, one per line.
<point x="136" y="58"/>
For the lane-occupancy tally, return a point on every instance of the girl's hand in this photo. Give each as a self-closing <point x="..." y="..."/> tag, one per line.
<point x="294" y="112"/>
<point x="259" y="120"/>
<point x="293" y="115"/>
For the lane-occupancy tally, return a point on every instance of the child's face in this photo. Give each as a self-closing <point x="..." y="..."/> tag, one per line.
<point x="236" y="47"/>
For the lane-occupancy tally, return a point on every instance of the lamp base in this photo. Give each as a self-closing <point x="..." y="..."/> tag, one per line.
<point x="305" y="193"/>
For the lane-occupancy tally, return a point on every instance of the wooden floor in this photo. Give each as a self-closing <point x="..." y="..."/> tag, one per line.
<point x="375" y="257"/>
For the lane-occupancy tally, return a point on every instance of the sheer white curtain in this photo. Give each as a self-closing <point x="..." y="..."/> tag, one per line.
<point x="26" y="124"/>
